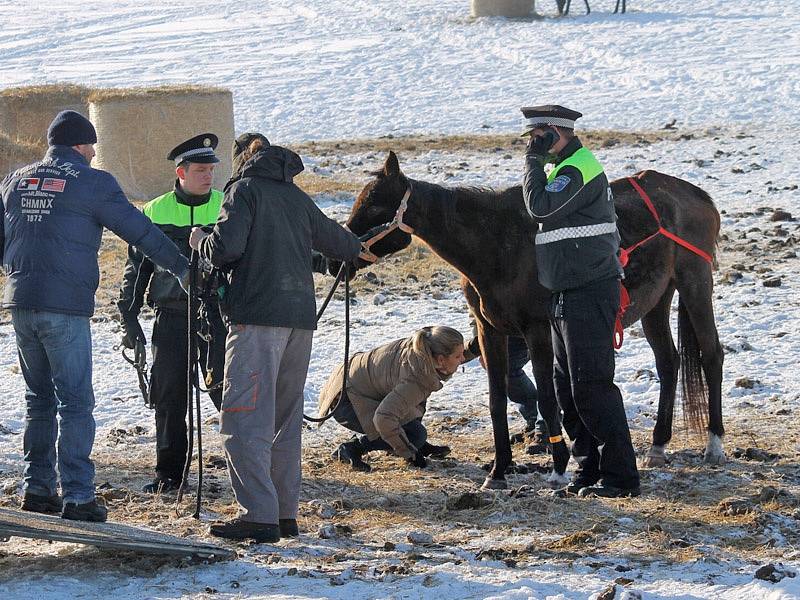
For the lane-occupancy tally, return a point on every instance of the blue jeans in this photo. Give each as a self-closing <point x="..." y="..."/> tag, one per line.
<point x="55" y="355"/>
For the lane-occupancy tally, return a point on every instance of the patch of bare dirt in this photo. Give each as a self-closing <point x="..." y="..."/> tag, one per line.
<point x="483" y="143"/>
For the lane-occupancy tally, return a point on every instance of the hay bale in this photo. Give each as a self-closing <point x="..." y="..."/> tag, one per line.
<point x="18" y="153"/>
<point x="26" y="112"/>
<point x="136" y="129"/>
<point x="502" y="8"/>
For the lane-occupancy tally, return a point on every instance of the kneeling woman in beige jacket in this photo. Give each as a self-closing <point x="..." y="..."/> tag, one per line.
<point x="387" y="393"/>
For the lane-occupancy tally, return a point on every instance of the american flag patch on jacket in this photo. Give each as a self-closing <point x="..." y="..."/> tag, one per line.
<point x="53" y="185"/>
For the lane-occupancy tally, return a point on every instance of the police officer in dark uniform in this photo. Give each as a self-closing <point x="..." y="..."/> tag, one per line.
<point x="577" y="250"/>
<point x="192" y="202"/>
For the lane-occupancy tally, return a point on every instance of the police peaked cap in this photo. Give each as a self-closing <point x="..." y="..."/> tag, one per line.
<point x="549" y="114"/>
<point x="199" y="149"/>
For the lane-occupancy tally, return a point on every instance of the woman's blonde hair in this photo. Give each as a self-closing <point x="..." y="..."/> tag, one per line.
<point x="436" y="340"/>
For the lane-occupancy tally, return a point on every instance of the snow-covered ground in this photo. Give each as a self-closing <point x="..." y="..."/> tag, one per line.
<point x="314" y="69"/>
<point x="322" y="69"/>
<point x="752" y="320"/>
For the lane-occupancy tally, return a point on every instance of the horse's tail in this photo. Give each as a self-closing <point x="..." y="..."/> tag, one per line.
<point x="694" y="388"/>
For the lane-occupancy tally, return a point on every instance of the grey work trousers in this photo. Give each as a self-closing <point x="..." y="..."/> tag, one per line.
<point x="262" y="418"/>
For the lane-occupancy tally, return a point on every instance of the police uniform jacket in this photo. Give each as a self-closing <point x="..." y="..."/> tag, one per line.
<point x="387" y="387"/>
<point x="264" y="238"/>
<point x="174" y="213"/>
<point x="577" y="241"/>
<point x="54" y="214"/>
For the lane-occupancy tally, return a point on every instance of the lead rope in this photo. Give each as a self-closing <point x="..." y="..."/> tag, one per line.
<point x="344" y="272"/>
<point x="192" y="391"/>
<point x="368" y="239"/>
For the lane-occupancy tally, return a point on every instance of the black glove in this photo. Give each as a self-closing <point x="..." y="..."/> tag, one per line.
<point x="418" y="460"/>
<point x="355" y="265"/>
<point x="333" y="266"/>
<point x="319" y="263"/>
<point x="358" y="263"/>
<point x="540" y="145"/>
<point x="131" y="331"/>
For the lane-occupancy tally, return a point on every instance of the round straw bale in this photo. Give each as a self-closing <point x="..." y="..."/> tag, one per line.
<point x="502" y="8"/>
<point x="136" y="129"/>
<point x="18" y="153"/>
<point x="26" y="112"/>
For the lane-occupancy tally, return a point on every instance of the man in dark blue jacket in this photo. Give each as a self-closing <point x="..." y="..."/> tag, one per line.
<point x="54" y="212"/>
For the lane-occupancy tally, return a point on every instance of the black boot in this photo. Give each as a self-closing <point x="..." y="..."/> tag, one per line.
<point x="539" y="444"/>
<point x="609" y="491"/>
<point x="42" y="504"/>
<point x="288" y="528"/>
<point x="351" y="453"/>
<point x="573" y="488"/>
<point x="237" y="529"/>
<point x="162" y="485"/>
<point x="88" y="511"/>
<point x="434" y="451"/>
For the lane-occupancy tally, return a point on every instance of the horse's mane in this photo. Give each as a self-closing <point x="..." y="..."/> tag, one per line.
<point x="486" y="200"/>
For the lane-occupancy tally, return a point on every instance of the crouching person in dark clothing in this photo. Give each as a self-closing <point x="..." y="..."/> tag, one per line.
<point x="387" y="393"/>
<point x="264" y="237"/>
<point x="54" y="214"/>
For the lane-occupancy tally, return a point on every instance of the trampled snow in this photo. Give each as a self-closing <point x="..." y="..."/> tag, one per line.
<point x="306" y="70"/>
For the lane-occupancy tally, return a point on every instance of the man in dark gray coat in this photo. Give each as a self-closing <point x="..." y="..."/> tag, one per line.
<point x="264" y="238"/>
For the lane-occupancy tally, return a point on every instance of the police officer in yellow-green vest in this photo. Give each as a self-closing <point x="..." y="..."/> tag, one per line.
<point x="190" y="203"/>
<point x="577" y="249"/>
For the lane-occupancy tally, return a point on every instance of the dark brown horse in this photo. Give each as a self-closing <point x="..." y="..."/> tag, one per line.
<point x="489" y="237"/>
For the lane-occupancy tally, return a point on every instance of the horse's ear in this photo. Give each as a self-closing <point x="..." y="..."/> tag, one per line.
<point x="391" y="168"/>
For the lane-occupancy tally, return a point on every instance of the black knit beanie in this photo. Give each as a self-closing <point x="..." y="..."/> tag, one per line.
<point x="71" y="128"/>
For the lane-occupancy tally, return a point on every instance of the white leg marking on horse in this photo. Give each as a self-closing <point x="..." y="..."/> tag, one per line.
<point x="714" y="455"/>
<point x="556" y="480"/>
<point x="494" y="484"/>
<point x="656" y="457"/>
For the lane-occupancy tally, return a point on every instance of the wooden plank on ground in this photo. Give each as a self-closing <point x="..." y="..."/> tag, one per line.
<point x="17" y="523"/>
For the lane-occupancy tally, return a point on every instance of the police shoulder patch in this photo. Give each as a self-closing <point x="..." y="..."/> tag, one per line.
<point x="558" y="184"/>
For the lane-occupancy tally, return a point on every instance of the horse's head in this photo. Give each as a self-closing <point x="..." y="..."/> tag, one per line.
<point x="378" y="203"/>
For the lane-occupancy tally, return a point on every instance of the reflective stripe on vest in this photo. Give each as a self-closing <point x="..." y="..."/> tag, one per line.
<point x="589" y="168"/>
<point x="566" y="233"/>
<point x="584" y="161"/>
<point x="166" y="210"/>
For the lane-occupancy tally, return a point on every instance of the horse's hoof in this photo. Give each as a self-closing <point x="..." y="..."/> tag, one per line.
<point x="494" y="484"/>
<point x="714" y="454"/>
<point x="557" y="480"/>
<point x="655" y="458"/>
<point x="715" y="459"/>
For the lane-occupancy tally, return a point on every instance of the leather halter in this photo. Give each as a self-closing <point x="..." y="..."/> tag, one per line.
<point x="395" y="223"/>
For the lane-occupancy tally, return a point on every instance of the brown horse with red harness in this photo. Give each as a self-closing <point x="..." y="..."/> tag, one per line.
<point x="489" y="237"/>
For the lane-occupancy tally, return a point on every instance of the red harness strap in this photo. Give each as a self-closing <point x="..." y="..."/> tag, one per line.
<point x="624" y="303"/>
<point x="624" y="257"/>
